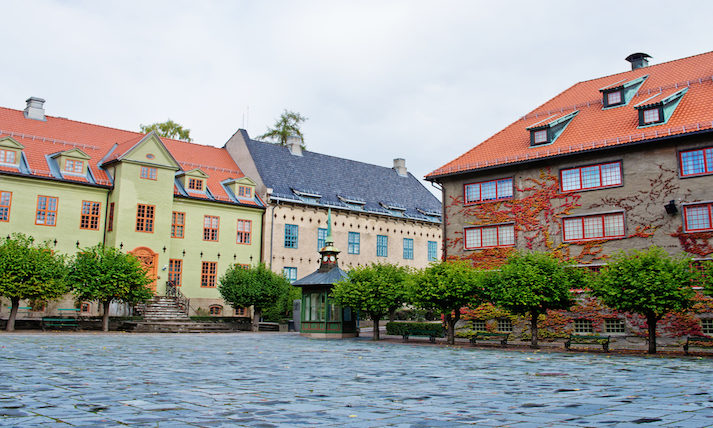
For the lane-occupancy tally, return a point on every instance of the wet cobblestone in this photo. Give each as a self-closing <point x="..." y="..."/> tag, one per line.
<point x="268" y="380"/>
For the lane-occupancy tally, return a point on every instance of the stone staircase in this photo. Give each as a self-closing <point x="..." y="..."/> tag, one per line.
<point x="163" y="314"/>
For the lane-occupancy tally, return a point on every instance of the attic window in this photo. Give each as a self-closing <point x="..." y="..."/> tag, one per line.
<point x="540" y="137"/>
<point x="74" y="166"/>
<point x="245" y="191"/>
<point x="195" y="184"/>
<point x="7" y="156"/>
<point x="621" y="92"/>
<point x="613" y="98"/>
<point x="548" y="130"/>
<point x="652" y="115"/>
<point x="659" y="108"/>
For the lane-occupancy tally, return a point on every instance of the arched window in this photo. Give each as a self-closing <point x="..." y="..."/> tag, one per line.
<point x="215" y="310"/>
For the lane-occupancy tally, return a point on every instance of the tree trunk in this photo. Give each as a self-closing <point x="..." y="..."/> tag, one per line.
<point x="105" y="315"/>
<point x="392" y="315"/>
<point x="257" y="314"/>
<point x="651" y="321"/>
<point x="533" y="329"/>
<point x="375" y="334"/>
<point x="451" y="321"/>
<point x="13" y="314"/>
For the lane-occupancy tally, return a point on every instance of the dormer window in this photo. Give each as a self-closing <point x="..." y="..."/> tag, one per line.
<point x="659" y="108"/>
<point x="613" y="98"/>
<point x="74" y="166"/>
<point x="540" y="137"/>
<point x="621" y="92"/>
<point x="7" y="156"/>
<point x="652" y="115"/>
<point x="245" y="192"/>
<point x="548" y="130"/>
<point x="195" y="184"/>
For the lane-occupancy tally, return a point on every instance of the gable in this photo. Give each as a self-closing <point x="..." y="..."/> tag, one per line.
<point x="10" y="143"/>
<point x="150" y="150"/>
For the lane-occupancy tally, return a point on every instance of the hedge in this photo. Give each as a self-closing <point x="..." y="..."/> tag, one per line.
<point x="415" y="329"/>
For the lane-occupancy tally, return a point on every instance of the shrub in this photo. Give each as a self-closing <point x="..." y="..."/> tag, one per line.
<point x="415" y="329"/>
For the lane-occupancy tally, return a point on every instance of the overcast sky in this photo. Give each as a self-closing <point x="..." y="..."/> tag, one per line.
<point x="423" y="80"/>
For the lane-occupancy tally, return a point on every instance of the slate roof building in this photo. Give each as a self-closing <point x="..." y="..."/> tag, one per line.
<point x="617" y="162"/>
<point x="186" y="210"/>
<point x="380" y="214"/>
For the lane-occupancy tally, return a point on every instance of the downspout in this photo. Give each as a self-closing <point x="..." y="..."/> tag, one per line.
<point x="444" y="248"/>
<point x="106" y="216"/>
<point x="272" y="230"/>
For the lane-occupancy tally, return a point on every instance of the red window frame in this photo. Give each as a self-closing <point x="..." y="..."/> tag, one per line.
<point x="175" y="271"/>
<point x="5" y="154"/>
<point x="707" y="167"/>
<point x="244" y="232"/>
<point x="148" y="173"/>
<point x="145" y="218"/>
<point x="708" y="205"/>
<point x="195" y="184"/>
<point x="590" y="238"/>
<point x="497" y="236"/>
<point x="89" y="218"/>
<point x="211" y="228"/>
<point x="178" y="228"/>
<point x="110" y="222"/>
<point x="215" y="310"/>
<point x="480" y="191"/>
<point x="5" y="205"/>
<point x="581" y="181"/>
<point x="74" y="166"/>
<point x="245" y="191"/>
<point x="46" y="210"/>
<point x="208" y="273"/>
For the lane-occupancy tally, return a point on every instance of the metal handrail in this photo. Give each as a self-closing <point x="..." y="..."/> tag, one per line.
<point x="173" y="291"/>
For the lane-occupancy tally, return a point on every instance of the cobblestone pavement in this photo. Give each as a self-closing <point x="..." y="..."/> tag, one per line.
<point x="263" y="380"/>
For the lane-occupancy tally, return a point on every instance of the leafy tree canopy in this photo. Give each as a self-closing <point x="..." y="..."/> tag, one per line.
<point x="168" y="129"/>
<point x="288" y="124"/>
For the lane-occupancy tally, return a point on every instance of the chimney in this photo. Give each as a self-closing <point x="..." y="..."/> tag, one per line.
<point x="400" y="167"/>
<point x="294" y="144"/>
<point x="638" y="60"/>
<point x="35" y="109"/>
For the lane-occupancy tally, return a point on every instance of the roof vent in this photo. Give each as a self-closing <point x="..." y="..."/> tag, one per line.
<point x="294" y="144"/>
<point x="638" y="60"/>
<point x="35" y="109"/>
<point x="400" y="167"/>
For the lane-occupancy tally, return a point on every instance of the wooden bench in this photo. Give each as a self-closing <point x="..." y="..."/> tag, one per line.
<point x="697" y="342"/>
<point x="486" y="335"/>
<point x="587" y="340"/>
<point x="431" y="335"/>
<point x="49" y="322"/>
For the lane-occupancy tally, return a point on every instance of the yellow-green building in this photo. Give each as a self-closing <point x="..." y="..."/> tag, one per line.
<point x="185" y="210"/>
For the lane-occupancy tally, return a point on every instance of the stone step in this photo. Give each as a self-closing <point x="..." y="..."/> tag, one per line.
<point x="180" y="327"/>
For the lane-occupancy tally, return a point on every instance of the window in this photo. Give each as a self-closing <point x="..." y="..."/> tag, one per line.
<point x="85" y="306"/>
<point x="144" y="218"/>
<point x="245" y="192"/>
<point x="290" y="273"/>
<point x="707" y="325"/>
<point x="110" y="223"/>
<point x="594" y="227"/>
<point x="614" y="325"/>
<point x="314" y="306"/>
<point x="244" y="266"/>
<point x="215" y="310"/>
<point x="489" y="236"/>
<point x="613" y="98"/>
<point x="591" y="177"/>
<point x="195" y="184"/>
<point x="504" y="325"/>
<point x="5" y="202"/>
<point x="321" y="238"/>
<point x="291" y="232"/>
<point x="7" y="156"/>
<point x="90" y="215"/>
<point x="540" y="137"/>
<point x="178" y="224"/>
<point x="408" y="248"/>
<point x="488" y="191"/>
<point x="582" y="326"/>
<point x="697" y="217"/>
<point x="244" y="230"/>
<point x="74" y="166"/>
<point x="46" y="211"/>
<point x="210" y="228"/>
<point x="354" y="243"/>
<point x="175" y="268"/>
<point x="697" y="162"/>
<point x="432" y="251"/>
<point x="382" y="246"/>
<point x="241" y="312"/>
<point x="479" y="325"/>
<point x="208" y="271"/>
<point x="652" y="115"/>
<point x="148" y="173"/>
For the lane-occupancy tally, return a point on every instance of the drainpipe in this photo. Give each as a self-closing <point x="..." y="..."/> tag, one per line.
<point x="272" y="231"/>
<point x="106" y="216"/>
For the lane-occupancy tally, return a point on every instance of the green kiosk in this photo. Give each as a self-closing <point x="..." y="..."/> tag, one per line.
<point x="320" y="316"/>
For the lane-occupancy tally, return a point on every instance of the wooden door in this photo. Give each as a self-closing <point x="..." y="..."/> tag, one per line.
<point x="149" y="261"/>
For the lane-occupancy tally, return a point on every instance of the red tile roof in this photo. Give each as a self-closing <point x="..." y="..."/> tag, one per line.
<point x="58" y="134"/>
<point x="593" y="127"/>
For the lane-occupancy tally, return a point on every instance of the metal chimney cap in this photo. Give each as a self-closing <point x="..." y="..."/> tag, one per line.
<point x="637" y="56"/>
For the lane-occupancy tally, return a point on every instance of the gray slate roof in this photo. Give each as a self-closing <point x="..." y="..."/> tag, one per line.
<point x="362" y="187"/>
<point x="322" y="278"/>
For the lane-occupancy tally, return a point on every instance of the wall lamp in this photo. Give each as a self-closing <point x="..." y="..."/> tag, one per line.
<point x="671" y="208"/>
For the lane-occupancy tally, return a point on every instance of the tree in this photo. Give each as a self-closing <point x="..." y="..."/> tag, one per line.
<point x="106" y="274"/>
<point x="257" y="286"/>
<point x="29" y="271"/>
<point x="283" y="306"/>
<point x="650" y="283"/>
<point x="446" y="287"/>
<point x="168" y="129"/>
<point x="376" y="290"/>
<point x="532" y="283"/>
<point x="287" y="125"/>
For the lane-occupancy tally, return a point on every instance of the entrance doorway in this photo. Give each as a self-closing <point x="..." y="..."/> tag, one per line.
<point x="149" y="261"/>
